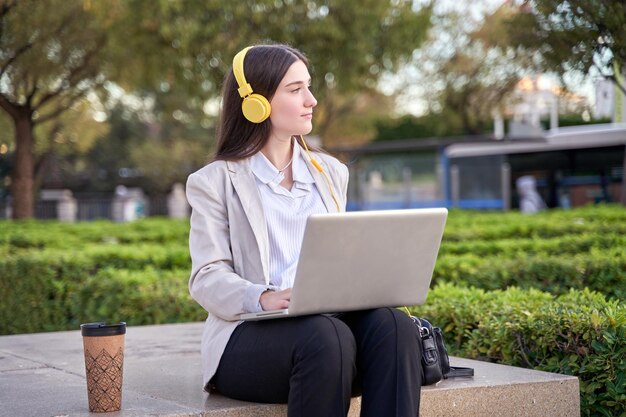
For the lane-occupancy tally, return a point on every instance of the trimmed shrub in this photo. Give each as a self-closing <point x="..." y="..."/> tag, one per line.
<point x="36" y="292"/>
<point x="40" y="287"/>
<point x="148" y="296"/>
<point x="579" y="333"/>
<point x="555" y="246"/>
<point x="48" y="234"/>
<point x="598" y="270"/>
<point x="463" y="225"/>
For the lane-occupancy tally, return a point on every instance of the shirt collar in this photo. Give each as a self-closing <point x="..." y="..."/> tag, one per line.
<point x="267" y="173"/>
<point x="264" y="170"/>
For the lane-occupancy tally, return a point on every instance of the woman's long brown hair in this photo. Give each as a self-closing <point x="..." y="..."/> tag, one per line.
<point x="264" y="68"/>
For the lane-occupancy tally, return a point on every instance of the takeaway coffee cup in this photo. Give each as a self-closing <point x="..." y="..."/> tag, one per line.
<point x="104" y="361"/>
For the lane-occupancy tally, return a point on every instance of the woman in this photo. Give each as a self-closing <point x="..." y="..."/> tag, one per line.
<point x="250" y="206"/>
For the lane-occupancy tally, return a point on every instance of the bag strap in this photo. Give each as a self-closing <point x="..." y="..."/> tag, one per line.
<point x="458" y="371"/>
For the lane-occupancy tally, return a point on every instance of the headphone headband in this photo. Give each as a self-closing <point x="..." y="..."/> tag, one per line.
<point x="244" y="88"/>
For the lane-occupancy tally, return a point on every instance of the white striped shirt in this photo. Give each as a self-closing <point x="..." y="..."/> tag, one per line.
<point x="285" y="212"/>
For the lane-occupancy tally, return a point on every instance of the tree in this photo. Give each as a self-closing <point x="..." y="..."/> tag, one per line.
<point x="189" y="46"/>
<point x="49" y="60"/>
<point x="149" y="154"/>
<point x="574" y="35"/>
<point x="61" y="145"/>
<point x="464" y="73"/>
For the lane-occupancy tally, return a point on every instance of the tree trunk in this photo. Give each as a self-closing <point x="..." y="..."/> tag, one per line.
<point x="23" y="204"/>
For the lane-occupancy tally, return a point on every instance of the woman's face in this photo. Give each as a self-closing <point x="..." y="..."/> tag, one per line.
<point x="292" y="104"/>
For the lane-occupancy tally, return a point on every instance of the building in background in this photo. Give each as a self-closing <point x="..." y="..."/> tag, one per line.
<point x="573" y="166"/>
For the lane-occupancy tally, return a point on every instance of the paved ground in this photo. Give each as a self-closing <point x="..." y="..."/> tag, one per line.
<point x="43" y="374"/>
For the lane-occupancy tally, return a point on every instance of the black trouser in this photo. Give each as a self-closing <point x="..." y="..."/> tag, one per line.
<point x="314" y="363"/>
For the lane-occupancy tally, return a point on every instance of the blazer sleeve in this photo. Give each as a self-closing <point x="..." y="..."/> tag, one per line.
<point x="213" y="282"/>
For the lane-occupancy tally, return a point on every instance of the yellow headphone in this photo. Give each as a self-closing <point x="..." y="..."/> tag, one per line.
<point x="255" y="107"/>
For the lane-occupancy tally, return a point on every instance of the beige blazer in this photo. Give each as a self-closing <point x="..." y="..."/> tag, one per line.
<point x="228" y="242"/>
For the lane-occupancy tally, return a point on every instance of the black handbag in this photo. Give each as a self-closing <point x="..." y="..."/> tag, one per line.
<point x="435" y="361"/>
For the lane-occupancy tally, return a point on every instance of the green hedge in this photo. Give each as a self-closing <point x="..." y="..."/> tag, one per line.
<point x="597" y="270"/>
<point x="463" y="225"/>
<point x="579" y="333"/>
<point x="141" y="297"/>
<point x="60" y="296"/>
<point x="554" y="246"/>
<point x="45" y="234"/>
<point x="40" y="289"/>
<point x="44" y="263"/>
<point x="88" y="259"/>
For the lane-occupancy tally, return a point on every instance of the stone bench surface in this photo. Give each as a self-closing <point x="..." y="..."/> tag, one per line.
<point x="43" y="374"/>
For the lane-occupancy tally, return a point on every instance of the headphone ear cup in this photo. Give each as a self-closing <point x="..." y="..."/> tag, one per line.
<point x="256" y="108"/>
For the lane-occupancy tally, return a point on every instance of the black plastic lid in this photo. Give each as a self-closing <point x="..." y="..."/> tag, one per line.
<point x="103" y="329"/>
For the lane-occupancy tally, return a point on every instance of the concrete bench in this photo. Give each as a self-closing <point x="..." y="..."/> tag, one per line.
<point x="43" y="375"/>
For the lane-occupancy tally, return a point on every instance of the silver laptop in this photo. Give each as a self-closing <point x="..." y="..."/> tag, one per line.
<point x="362" y="260"/>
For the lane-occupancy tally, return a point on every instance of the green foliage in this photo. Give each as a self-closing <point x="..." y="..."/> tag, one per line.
<point x="470" y="78"/>
<point x="448" y="123"/>
<point x="554" y="251"/>
<point x="16" y="236"/>
<point x="187" y="47"/>
<point x="44" y="264"/>
<point x="472" y="225"/>
<point x="56" y="290"/>
<point x="573" y="35"/>
<point x="146" y="296"/>
<point x="58" y="293"/>
<point x="579" y="333"/>
<point x="45" y="267"/>
<point x="48" y="50"/>
<point x="574" y="120"/>
<point x="51" y="55"/>
<point x="427" y="126"/>
<point x="598" y="270"/>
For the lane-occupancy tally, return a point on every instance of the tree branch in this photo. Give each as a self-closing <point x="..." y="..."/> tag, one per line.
<point x="522" y="350"/>
<point x="17" y="53"/>
<point x="71" y="76"/>
<point x="33" y="91"/>
<point x="6" y="7"/>
<point x="61" y="108"/>
<point x="52" y="115"/>
<point x="9" y="107"/>
<point x="4" y="10"/>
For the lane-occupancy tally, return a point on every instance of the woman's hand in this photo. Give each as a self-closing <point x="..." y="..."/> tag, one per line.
<point x="275" y="300"/>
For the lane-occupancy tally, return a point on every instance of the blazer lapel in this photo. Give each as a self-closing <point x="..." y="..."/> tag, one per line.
<point x="245" y="185"/>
